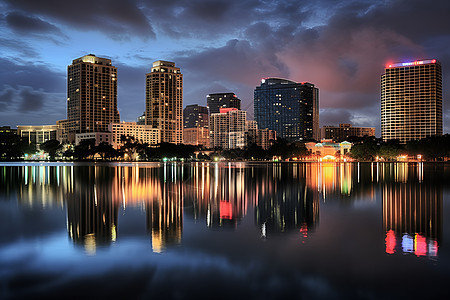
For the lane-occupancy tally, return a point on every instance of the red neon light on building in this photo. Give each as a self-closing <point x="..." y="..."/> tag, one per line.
<point x="227" y="109"/>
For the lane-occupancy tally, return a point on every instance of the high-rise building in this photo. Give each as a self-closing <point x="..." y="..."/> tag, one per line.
<point x="91" y="95"/>
<point x="344" y="131"/>
<point x="227" y="129"/>
<point x="164" y="101"/>
<point x="196" y="125"/>
<point x="288" y="107"/>
<point x="411" y="100"/>
<point x="222" y="100"/>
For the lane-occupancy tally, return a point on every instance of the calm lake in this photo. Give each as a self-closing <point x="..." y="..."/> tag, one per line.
<point x="224" y="230"/>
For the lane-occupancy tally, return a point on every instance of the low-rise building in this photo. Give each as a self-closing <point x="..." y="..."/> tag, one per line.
<point x="37" y="134"/>
<point x="141" y="133"/>
<point x="99" y="137"/>
<point x="328" y="150"/>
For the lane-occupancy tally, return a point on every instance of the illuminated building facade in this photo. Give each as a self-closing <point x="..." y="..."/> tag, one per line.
<point x="38" y="134"/>
<point x="98" y="137"/>
<point x="328" y="148"/>
<point x="344" y="131"/>
<point x="164" y="101"/>
<point x="91" y="95"/>
<point x="411" y="100"/>
<point x="288" y="107"/>
<point x="140" y="133"/>
<point x="196" y="125"/>
<point x="227" y="128"/>
<point x="222" y="100"/>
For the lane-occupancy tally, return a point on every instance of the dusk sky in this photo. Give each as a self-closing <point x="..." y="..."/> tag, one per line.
<point x="220" y="46"/>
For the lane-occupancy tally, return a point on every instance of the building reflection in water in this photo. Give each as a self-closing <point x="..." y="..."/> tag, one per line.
<point x="287" y="200"/>
<point x="91" y="209"/>
<point x="218" y="193"/>
<point x="412" y="212"/>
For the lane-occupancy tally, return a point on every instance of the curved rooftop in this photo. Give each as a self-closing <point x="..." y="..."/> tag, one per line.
<point x="273" y="80"/>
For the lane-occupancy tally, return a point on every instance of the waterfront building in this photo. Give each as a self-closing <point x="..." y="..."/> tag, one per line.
<point x="196" y="125"/>
<point x="344" y="131"/>
<point x="91" y="95"/>
<point x="140" y="133"/>
<point x="217" y="101"/>
<point x="289" y="108"/>
<point x="164" y="101"/>
<point x="328" y="150"/>
<point x="411" y="100"/>
<point x="98" y="137"/>
<point x="37" y="134"/>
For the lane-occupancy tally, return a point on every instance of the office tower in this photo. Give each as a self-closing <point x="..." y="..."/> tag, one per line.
<point x="411" y="100"/>
<point x="222" y="100"/>
<point x="91" y="95"/>
<point x="164" y="101"/>
<point x="288" y="107"/>
<point x="196" y="125"/>
<point x="227" y="128"/>
<point x="344" y="131"/>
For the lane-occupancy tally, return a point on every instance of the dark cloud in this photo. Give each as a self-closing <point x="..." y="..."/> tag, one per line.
<point x="118" y="19"/>
<point x="39" y="76"/>
<point x="25" y="24"/>
<point x="17" y="46"/>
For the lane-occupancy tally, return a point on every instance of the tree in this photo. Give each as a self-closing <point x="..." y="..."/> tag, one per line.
<point x="11" y="146"/>
<point x="106" y="151"/>
<point x="51" y="147"/>
<point x="85" y="149"/>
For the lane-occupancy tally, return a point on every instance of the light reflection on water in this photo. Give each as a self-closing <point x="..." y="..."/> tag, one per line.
<point x="270" y="201"/>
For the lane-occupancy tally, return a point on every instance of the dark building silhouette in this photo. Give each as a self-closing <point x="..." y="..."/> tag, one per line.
<point x="222" y="100"/>
<point x="288" y="107"/>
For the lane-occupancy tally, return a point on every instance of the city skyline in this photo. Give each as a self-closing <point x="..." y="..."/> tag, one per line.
<point x="342" y="47"/>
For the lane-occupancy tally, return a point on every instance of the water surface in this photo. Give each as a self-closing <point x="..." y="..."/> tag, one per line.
<point x="224" y="230"/>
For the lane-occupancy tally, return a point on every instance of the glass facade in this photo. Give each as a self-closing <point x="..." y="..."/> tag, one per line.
<point x="289" y="108"/>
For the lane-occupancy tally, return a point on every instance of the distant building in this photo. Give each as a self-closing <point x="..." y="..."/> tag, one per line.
<point x="141" y="119"/>
<point x="263" y="138"/>
<point x="411" y="100"/>
<point x="195" y="116"/>
<point x="227" y="129"/>
<point x="63" y="129"/>
<point x="91" y="95"/>
<point x="140" y="133"/>
<point x="289" y="108"/>
<point x="164" y="101"/>
<point x="344" y="131"/>
<point x="99" y="137"/>
<point x="7" y="130"/>
<point x="196" y="125"/>
<point x="38" y="134"/>
<point x="222" y="100"/>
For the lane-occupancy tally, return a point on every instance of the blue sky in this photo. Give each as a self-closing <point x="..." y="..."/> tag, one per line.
<point x="220" y="46"/>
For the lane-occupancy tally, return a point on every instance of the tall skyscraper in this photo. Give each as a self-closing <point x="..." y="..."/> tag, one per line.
<point x="91" y="95"/>
<point x="288" y="107"/>
<point x="222" y="100"/>
<point x="411" y="100"/>
<point x="164" y="101"/>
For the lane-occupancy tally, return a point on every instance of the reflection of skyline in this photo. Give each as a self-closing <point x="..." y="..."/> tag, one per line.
<point x="91" y="213"/>
<point x="412" y="214"/>
<point x="283" y="197"/>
